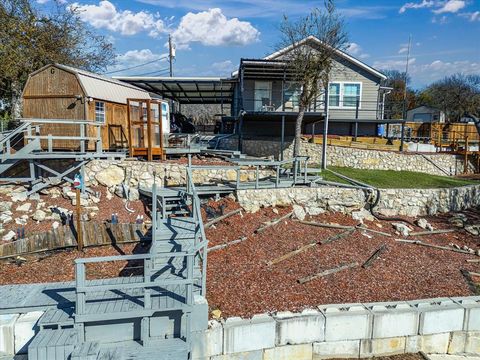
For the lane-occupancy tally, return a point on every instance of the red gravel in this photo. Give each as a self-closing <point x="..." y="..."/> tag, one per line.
<point x="240" y="283"/>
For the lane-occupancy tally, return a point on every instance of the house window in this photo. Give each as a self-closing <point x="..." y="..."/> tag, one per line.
<point x="345" y="94"/>
<point x="351" y="94"/>
<point x="292" y="95"/>
<point x="100" y="111"/>
<point x="334" y="95"/>
<point x="263" y="96"/>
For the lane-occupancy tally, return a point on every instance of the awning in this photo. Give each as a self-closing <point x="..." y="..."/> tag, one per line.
<point x="187" y="90"/>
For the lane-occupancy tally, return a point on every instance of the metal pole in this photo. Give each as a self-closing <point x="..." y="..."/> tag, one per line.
<point x="402" y="137"/>
<point x="171" y="55"/>
<point x="79" y="221"/>
<point x="325" y="129"/>
<point x="282" y="141"/>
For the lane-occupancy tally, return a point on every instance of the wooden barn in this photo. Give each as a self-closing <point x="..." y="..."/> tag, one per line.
<point x="61" y="92"/>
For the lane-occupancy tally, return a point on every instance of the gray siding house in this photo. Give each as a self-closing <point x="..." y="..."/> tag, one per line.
<point x="267" y="97"/>
<point x="425" y="114"/>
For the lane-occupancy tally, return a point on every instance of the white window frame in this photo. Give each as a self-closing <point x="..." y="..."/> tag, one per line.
<point x="103" y="112"/>
<point x="342" y="92"/>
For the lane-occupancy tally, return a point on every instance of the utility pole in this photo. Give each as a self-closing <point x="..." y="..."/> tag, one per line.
<point x="406" y="78"/>
<point x="171" y="54"/>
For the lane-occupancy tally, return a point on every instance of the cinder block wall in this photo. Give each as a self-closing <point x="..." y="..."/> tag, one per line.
<point x="442" y="326"/>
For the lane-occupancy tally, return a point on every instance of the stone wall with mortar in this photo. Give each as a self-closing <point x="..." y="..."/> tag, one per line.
<point x="408" y="202"/>
<point x="435" y="164"/>
<point x="442" y="326"/>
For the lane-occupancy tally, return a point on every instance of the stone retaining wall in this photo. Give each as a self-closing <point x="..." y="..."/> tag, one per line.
<point x="435" y="164"/>
<point x="408" y="202"/>
<point x="443" y="326"/>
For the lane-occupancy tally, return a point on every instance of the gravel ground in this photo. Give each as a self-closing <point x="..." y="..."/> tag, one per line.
<point x="240" y="283"/>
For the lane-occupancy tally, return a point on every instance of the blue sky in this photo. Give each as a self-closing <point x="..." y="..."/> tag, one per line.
<point x="212" y="35"/>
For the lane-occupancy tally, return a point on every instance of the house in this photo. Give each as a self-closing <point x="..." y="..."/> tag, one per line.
<point x="263" y="97"/>
<point x="425" y="114"/>
<point x="127" y="113"/>
<point x="269" y="97"/>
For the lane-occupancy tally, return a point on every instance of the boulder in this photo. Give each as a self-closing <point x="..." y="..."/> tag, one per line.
<point x="133" y="194"/>
<point x="24" y="207"/>
<point x="19" y="197"/>
<point x="39" y="215"/>
<point x="5" y="206"/>
<point x="362" y="214"/>
<point x="402" y="228"/>
<point x="55" y="225"/>
<point x="6" y="218"/>
<point x="424" y="224"/>
<point x="299" y="212"/>
<point x="473" y="229"/>
<point x="20" y="221"/>
<point x="111" y="176"/>
<point x="314" y="210"/>
<point x="9" y="236"/>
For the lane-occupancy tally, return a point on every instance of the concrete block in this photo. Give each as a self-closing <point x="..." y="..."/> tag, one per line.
<point x="336" y="349"/>
<point x="471" y="305"/>
<point x="25" y="328"/>
<point x="457" y="342"/>
<point x="346" y="322"/>
<point x="241" y="335"/>
<point x="7" y="333"/>
<point x="404" y="316"/>
<point x="304" y="328"/>
<point x="439" y="315"/>
<point x="472" y="343"/>
<point x="430" y="344"/>
<point x="207" y="343"/>
<point x="199" y="317"/>
<point x="382" y="347"/>
<point x="248" y="355"/>
<point x="289" y="352"/>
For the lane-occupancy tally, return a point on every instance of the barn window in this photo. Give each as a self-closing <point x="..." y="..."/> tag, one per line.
<point x="100" y="111"/>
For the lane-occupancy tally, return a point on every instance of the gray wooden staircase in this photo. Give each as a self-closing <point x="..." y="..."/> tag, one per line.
<point x="151" y="311"/>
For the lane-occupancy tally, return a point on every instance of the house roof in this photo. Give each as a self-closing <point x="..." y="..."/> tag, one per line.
<point x="102" y="87"/>
<point x="186" y="90"/>
<point x="342" y="54"/>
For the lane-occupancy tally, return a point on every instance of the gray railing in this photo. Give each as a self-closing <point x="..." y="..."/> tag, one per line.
<point x="84" y="287"/>
<point x="294" y="170"/>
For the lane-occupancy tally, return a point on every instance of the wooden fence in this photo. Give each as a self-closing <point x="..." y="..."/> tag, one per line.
<point x="94" y="234"/>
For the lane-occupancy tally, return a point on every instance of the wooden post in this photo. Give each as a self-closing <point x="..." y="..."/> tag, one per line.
<point x="439" y="139"/>
<point x="79" y="222"/>
<point x="465" y="159"/>
<point x="161" y="129"/>
<point x="149" y="132"/>
<point x="129" y="121"/>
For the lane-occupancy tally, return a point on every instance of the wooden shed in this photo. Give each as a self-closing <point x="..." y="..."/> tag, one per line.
<point x="62" y="92"/>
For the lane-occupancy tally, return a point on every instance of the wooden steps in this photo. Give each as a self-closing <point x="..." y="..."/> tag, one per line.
<point x="53" y="344"/>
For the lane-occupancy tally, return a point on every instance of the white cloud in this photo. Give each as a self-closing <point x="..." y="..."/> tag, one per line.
<point x="425" y="73"/>
<point x="226" y="66"/>
<point x="106" y="16"/>
<point x="471" y="16"/>
<point x="212" y="28"/>
<point x="403" y="49"/>
<point x="356" y="50"/>
<point x="412" y="5"/>
<point x="133" y="58"/>
<point x="451" y="6"/>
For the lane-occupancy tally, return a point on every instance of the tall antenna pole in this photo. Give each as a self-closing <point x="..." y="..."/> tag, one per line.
<point x="406" y="78"/>
<point x="171" y="52"/>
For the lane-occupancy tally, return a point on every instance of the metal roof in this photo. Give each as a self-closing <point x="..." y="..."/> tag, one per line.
<point x="276" y="55"/>
<point x="102" y="87"/>
<point x="186" y="90"/>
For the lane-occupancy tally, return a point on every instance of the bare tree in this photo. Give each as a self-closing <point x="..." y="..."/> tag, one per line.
<point x="311" y="65"/>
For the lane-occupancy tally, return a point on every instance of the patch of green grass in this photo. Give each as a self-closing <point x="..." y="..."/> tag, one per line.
<point x="389" y="179"/>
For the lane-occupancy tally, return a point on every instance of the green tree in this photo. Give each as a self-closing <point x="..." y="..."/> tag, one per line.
<point x="394" y="101"/>
<point x="311" y="66"/>
<point x="456" y="95"/>
<point x="30" y="39"/>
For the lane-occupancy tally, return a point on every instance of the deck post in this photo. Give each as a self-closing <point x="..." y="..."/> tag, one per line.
<point x="402" y="140"/>
<point x="129" y="121"/>
<point x="465" y="160"/>
<point x="325" y="130"/>
<point x="161" y="130"/>
<point x="282" y="141"/>
<point x="149" y="132"/>
<point x="82" y="136"/>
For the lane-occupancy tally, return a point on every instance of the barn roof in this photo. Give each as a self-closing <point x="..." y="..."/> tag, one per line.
<point x="102" y="87"/>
